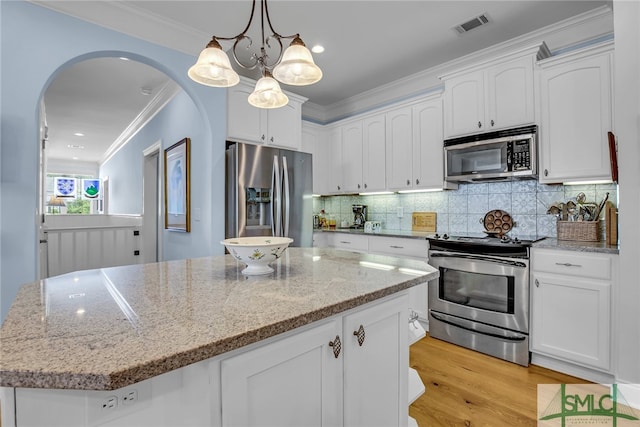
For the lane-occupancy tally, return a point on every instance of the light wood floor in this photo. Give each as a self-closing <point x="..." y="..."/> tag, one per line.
<point x="467" y="388"/>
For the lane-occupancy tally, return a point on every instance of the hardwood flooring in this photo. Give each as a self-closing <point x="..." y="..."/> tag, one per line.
<point x="467" y="388"/>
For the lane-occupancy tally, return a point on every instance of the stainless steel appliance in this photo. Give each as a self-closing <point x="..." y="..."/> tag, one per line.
<point x="481" y="299"/>
<point x="359" y="215"/>
<point x="494" y="156"/>
<point x="268" y="193"/>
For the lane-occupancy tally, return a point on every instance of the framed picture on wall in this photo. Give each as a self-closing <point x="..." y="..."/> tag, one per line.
<point x="177" y="215"/>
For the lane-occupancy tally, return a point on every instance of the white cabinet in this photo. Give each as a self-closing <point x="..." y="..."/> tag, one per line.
<point x="491" y="96"/>
<point x="352" y="157"/>
<point x="347" y="241"/>
<point x="414" y="147"/>
<point x="571" y="306"/>
<point x="296" y="381"/>
<point x="314" y="142"/>
<point x="373" y="153"/>
<point x="576" y="114"/>
<point x="399" y="148"/>
<point x="279" y="126"/>
<point x="346" y="371"/>
<point x="376" y="358"/>
<point x="359" y="163"/>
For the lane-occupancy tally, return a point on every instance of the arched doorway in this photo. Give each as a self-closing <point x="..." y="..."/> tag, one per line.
<point x="90" y="110"/>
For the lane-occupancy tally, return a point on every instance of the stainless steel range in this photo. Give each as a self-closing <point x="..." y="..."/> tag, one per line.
<point x="481" y="300"/>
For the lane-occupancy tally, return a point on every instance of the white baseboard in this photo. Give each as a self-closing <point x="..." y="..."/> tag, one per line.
<point x="572" y="369"/>
<point x="631" y="393"/>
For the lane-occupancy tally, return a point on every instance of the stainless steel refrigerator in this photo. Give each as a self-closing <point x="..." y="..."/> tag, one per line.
<point x="269" y="193"/>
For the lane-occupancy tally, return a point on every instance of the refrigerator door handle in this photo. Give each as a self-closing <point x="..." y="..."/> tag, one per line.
<point x="286" y="196"/>
<point x="276" y="188"/>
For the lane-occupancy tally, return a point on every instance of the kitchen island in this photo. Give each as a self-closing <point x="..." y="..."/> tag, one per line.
<point x="174" y="343"/>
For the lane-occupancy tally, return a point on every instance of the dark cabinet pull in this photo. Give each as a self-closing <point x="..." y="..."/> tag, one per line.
<point x="360" y="335"/>
<point x="479" y="124"/>
<point x="336" y="345"/>
<point x="492" y="122"/>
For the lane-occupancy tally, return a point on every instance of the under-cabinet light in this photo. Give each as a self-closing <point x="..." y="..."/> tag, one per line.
<point x="425" y="190"/>
<point x="375" y="193"/>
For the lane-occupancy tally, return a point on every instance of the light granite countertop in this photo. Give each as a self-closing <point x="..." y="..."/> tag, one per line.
<point x="571" y="245"/>
<point x="108" y="328"/>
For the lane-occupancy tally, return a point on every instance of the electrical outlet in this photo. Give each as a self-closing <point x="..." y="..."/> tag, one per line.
<point x="110" y="403"/>
<point x="400" y="211"/>
<point x="130" y="397"/>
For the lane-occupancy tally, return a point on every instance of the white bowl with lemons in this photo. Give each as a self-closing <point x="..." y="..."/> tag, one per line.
<point x="257" y="252"/>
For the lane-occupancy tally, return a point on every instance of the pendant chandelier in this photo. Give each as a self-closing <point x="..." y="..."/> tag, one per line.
<point x="293" y="66"/>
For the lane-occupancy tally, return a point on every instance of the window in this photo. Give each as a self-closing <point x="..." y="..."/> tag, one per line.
<point x="73" y="194"/>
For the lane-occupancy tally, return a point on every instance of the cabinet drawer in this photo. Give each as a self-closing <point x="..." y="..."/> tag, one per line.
<point x="346" y="241"/>
<point x="401" y="247"/>
<point x="595" y="266"/>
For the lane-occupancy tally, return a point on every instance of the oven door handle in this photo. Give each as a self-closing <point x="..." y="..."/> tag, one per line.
<point x="478" y="258"/>
<point x="478" y="327"/>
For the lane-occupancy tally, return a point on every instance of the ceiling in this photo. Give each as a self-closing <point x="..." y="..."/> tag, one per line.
<point x="368" y="43"/>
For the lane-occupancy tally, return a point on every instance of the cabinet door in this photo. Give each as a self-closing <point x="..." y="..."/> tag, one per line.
<point x="244" y="122"/>
<point x="399" y="149"/>
<point x="464" y="104"/>
<point x="373" y="153"/>
<point x="428" y="151"/>
<point x="314" y="141"/>
<point x="510" y="99"/>
<point x="352" y="157"/>
<point x="571" y="319"/>
<point x="375" y="379"/>
<point x="293" y="382"/>
<point x="575" y="118"/>
<point x="335" y="166"/>
<point x="284" y="126"/>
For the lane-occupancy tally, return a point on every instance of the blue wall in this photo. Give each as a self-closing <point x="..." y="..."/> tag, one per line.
<point x="36" y="44"/>
<point x="177" y="120"/>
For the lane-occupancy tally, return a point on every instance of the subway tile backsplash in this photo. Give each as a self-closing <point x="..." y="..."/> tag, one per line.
<point x="461" y="211"/>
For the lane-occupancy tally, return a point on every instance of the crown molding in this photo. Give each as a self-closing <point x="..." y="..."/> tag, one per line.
<point x="562" y="35"/>
<point x="162" y="98"/>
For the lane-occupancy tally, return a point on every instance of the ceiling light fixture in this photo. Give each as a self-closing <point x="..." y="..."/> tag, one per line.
<point x="293" y="66"/>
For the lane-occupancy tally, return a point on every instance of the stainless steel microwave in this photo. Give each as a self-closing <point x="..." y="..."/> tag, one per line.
<point x="495" y="156"/>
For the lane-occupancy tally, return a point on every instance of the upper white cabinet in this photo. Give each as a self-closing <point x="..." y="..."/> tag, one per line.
<point x="414" y="147"/>
<point x="491" y="96"/>
<point x="314" y="142"/>
<point x="352" y="157"/>
<point x="576" y="114"/>
<point x="373" y="153"/>
<point x="280" y="127"/>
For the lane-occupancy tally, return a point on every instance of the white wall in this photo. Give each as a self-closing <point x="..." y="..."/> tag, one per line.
<point x="29" y="31"/>
<point x="627" y="130"/>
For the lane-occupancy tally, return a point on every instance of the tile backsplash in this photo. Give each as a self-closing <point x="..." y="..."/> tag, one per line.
<point x="461" y="211"/>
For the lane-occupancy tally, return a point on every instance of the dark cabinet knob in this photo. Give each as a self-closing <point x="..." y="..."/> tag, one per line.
<point x="479" y="124"/>
<point x="336" y="345"/>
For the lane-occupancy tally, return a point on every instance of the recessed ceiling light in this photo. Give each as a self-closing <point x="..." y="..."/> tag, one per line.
<point x="75" y="158"/>
<point x="79" y="134"/>
<point x="124" y="59"/>
<point x="145" y="91"/>
<point x="317" y="49"/>
<point x="75" y="146"/>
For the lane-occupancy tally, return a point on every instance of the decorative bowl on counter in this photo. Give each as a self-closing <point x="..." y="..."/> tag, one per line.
<point x="257" y="252"/>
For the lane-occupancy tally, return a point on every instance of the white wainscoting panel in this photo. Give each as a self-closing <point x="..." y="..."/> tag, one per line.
<point x="104" y="242"/>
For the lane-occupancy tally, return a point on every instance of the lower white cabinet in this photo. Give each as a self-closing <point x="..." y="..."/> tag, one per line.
<point x="296" y="381"/>
<point x="571" y="306"/>
<point x="345" y="371"/>
<point x="401" y="247"/>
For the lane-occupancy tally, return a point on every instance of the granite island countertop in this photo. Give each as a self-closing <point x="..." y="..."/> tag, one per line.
<point x="108" y="328"/>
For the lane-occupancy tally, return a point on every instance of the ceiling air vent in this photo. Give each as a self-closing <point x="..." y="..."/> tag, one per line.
<point x="472" y="23"/>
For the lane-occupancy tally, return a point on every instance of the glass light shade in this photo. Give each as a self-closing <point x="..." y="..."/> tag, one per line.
<point x="268" y="94"/>
<point x="213" y="69"/>
<point x="297" y="67"/>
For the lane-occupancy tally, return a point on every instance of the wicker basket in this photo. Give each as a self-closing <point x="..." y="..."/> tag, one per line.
<point x="582" y="231"/>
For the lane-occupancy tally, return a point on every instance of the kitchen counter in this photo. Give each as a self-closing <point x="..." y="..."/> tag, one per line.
<point x="108" y="328"/>
<point x="383" y="232"/>
<point x="571" y="245"/>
